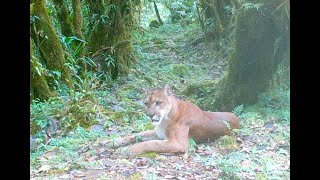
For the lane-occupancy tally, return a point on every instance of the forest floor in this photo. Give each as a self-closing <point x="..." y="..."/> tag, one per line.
<point x="174" y="55"/>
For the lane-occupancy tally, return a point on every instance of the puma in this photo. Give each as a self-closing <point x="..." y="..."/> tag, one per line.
<point x="176" y="121"/>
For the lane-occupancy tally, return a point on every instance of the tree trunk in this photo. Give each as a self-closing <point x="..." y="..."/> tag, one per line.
<point x="218" y="17"/>
<point x="49" y="44"/>
<point x="123" y="21"/>
<point x="63" y="17"/>
<point x="218" y="26"/>
<point x="38" y="84"/>
<point x="110" y="38"/>
<point x="157" y="13"/>
<point x="201" y="19"/>
<point x="223" y="14"/>
<point x="97" y="25"/>
<point x="253" y="62"/>
<point x="77" y="25"/>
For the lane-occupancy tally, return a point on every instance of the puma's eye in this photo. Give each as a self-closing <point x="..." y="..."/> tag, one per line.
<point x="158" y="103"/>
<point x="146" y="104"/>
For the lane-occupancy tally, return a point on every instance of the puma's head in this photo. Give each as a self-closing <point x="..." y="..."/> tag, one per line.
<point x="158" y="104"/>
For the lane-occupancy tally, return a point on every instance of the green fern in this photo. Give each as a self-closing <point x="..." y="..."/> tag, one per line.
<point x="238" y="110"/>
<point x="251" y="5"/>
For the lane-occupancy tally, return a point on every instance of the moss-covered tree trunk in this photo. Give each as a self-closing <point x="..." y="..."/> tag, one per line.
<point x="38" y="84"/>
<point x="110" y="38"/>
<point x="97" y="25"/>
<point x="253" y="61"/>
<point x="77" y="25"/>
<point x="63" y="17"/>
<point x="49" y="44"/>
<point x="217" y="17"/>
<point x="77" y="21"/>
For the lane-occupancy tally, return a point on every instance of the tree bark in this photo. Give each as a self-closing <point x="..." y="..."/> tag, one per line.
<point x="218" y="26"/>
<point x="77" y="25"/>
<point x="38" y="84"/>
<point x="63" y="17"/>
<point x="49" y="44"/>
<point x="253" y="62"/>
<point x="97" y="25"/>
<point x="111" y="37"/>
<point x="215" y="11"/>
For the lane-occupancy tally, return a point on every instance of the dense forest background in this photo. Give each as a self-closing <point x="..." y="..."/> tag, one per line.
<point x="90" y="60"/>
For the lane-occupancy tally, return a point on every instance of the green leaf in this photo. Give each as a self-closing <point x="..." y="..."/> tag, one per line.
<point x="38" y="71"/>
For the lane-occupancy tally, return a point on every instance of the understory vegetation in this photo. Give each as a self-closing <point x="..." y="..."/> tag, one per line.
<point x="68" y="129"/>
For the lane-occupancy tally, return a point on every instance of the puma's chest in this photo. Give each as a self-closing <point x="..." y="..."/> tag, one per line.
<point x="159" y="130"/>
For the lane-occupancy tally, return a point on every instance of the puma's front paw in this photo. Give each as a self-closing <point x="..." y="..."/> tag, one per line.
<point x="112" y="143"/>
<point x="128" y="152"/>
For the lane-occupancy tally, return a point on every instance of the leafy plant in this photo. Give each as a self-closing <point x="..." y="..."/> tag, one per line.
<point x="73" y="44"/>
<point x="251" y="6"/>
<point x="238" y="110"/>
<point x="192" y="145"/>
<point x="110" y="62"/>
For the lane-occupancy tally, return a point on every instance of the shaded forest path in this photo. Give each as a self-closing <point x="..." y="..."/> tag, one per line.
<point x="171" y="54"/>
<point x="185" y="44"/>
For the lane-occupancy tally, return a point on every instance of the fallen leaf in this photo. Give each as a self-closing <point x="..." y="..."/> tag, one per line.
<point x="77" y="174"/>
<point x="181" y="178"/>
<point x="92" y="158"/>
<point x="44" y="168"/>
<point x="109" y="163"/>
<point x="168" y="176"/>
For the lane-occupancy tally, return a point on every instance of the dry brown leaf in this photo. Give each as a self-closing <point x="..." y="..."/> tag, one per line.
<point x="44" y="168"/>
<point x="77" y="174"/>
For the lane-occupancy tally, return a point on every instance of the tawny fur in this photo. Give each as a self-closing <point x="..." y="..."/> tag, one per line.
<point x="179" y="120"/>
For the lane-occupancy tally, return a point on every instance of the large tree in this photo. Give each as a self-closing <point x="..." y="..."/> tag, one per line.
<point x="48" y="44"/>
<point x="216" y="17"/>
<point x="38" y="84"/>
<point x="261" y="44"/>
<point x="110" y="35"/>
<point x="77" y="26"/>
<point x="63" y="17"/>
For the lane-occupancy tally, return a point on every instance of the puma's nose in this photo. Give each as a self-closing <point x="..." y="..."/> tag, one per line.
<point x="150" y="115"/>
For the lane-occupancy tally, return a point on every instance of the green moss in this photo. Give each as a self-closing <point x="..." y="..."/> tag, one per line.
<point x="77" y="18"/>
<point x="149" y="126"/>
<point x="227" y="142"/>
<point x="40" y="87"/>
<point x="82" y="112"/>
<point x="135" y="176"/>
<point x="197" y="88"/>
<point x="38" y="84"/>
<point x="49" y="44"/>
<point x="180" y="69"/>
<point x="252" y="63"/>
<point x="260" y="176"/>
<point x="117" y="116"/>
<point x="63" y="17"/>
<point x="148" y="154"/>
<point x="77" y="25"/>
<point x="218" y="15"/>
<point x="112" y="34"/>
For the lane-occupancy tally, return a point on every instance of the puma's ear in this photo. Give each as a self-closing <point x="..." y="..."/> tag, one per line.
<point x="168" y="90"/>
